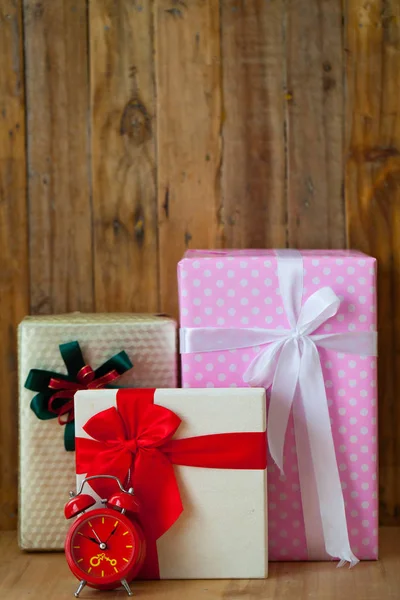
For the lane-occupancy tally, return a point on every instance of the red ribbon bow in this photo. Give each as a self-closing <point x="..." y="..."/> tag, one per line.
<point x="133" y="442"/>
<point x="85" y="381"/>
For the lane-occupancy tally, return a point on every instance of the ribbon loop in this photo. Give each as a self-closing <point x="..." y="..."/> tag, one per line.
<point x="261" y="370"/>
<point x="73" y="358"/>
<point x="86" y="374"/>
<point x="318" y="308"/>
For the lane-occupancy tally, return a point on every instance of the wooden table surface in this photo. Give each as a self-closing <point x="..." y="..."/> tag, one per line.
<point x="46" y="576"/>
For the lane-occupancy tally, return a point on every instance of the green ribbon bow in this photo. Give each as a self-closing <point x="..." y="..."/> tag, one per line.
<point x="56" y="391"/>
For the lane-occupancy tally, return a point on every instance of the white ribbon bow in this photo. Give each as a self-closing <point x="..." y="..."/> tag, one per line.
<point x="291" y="366"/>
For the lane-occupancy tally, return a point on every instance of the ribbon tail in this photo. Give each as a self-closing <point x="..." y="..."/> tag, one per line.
<point x="330" y="495"/>
<point x="351" y="560"/>
<point x="282" y="395"/>
<point x="159" y="495"/>
<point x="309" y="496"/>
<point x="69" y="436"/>
<point x="160" y="503"/>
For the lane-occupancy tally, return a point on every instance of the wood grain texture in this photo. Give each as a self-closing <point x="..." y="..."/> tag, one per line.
<point x="14" y="292"/>
<point x="188" y="66"/>
<point x="315" y="123"/>
<point x="123" y="156"/>
<point x="37" y="576"/>
<point x="154" y="126"/>
<point x="373" y="202"/>
<point x="61" y="268"/>
<point x="253" y="168"/>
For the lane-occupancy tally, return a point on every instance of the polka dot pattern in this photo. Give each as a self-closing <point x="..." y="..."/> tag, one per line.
<point x="239" y="289"/>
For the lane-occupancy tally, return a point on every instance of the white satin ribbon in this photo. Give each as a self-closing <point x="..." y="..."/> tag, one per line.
<point x="291" y="366"/>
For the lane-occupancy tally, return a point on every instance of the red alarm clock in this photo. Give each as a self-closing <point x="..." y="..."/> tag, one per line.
<point x="105" y="547"/>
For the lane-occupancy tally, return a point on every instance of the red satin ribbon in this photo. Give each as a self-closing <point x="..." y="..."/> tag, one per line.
<point x="134" y="443"/>
<point x="85" y="381"/>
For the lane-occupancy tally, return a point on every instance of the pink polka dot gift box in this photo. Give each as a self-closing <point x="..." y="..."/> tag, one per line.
<point x="301" y="324"/>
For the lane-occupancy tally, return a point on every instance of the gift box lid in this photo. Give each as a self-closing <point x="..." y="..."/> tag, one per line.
<point x="79" y="318"/>
<point x="254" y="252"/>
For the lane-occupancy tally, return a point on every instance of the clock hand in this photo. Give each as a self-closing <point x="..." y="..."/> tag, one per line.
<point x="112" y="533"/>
<point x="98" y="539"/>
<point x="91" y="539"/>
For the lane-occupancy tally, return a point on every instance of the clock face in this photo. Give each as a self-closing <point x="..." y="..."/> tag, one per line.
<point x="103" y="546"/>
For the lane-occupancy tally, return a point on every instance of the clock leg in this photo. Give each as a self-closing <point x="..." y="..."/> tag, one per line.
<point x="81" y="585"/>
<point x="126" y="586"/>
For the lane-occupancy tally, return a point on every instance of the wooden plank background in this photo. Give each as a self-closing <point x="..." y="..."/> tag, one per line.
<point x="133" y="129"/>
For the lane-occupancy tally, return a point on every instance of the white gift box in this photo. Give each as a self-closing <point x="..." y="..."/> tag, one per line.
<point x="222" y="532"/>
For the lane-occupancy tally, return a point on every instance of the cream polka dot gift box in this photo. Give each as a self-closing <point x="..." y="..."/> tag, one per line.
<point x="56" y="357"/>
<point x="302" y="325"/>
